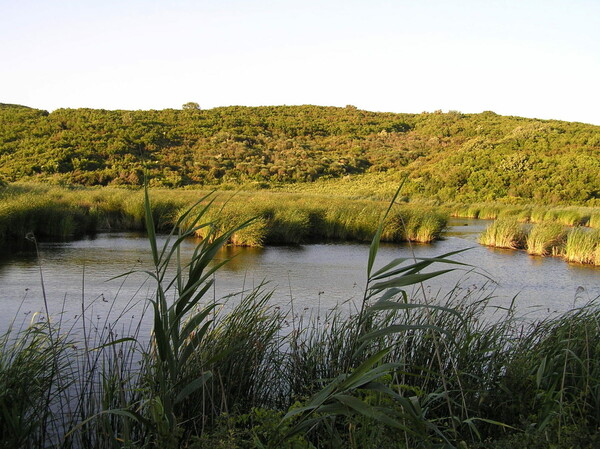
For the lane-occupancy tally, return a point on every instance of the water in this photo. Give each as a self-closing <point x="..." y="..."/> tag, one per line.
<point x="78" y="276"/>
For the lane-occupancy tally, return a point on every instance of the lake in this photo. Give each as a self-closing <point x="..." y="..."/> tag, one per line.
<point x="78" y="275"/>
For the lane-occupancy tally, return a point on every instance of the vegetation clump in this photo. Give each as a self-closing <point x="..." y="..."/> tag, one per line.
<point x="546" y="239"/>
<point x="504" y="233"/>
<point x="581" y="246"/>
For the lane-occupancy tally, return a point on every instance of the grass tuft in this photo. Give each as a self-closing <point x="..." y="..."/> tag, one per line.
<point x="504" y="233"/>
<point x="546" y="239"/>
<point x="581" y="246"/>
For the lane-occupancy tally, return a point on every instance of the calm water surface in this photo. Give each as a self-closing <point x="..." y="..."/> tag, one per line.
<point x="78" y="276"/>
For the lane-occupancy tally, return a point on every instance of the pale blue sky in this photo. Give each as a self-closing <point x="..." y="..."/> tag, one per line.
<point x="530" y="58"/>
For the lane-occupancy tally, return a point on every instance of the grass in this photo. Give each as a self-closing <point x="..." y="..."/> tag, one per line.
<point x="504" y="233"/>
<point x="399" y="371"/>
<point x="546" y="239"/>
<point x="582" y="246"/>
<point x="284" y="218"/>
<point x="29" y="395"/>
<point x="565" y="215"/>
<point x="568" y="216"/>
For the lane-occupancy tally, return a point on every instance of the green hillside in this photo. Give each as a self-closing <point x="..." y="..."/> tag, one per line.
<point x="448" y="156"/>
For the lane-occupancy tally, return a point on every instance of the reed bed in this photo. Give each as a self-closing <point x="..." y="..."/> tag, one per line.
<point x="582" y="246"/>
<point x="504" y="233"/>
<point x="296" y="218"/>
<point x="568" y="216"/>
<point x="565" y="215"/>
<point x="398" y="371"/>
<point x="546" y="239"/>
<point x="283" y="218"/>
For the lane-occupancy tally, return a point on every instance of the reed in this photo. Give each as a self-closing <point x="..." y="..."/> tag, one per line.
<point x="581" y="246"/>
<point x="569" y="216"/>
<point x="521" y="213"/>
<point x="489" y="212"/>
<point x="473" y="211"/>
<point x="284" y="218"/>
<point x="538" y="215"/>
<point x="404" y="368"/>
<point x="422" y="226"/>
<point x="594" y="221"/>
<point x="504" y="233"/>
<point x="546" y="239"/>
<point x="30" y="361"/>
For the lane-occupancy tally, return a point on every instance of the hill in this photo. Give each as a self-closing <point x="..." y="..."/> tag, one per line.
<point x="448" y="156"/>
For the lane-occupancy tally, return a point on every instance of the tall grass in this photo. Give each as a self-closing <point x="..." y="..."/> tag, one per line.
<point x="546" y="239"/>
<point x="594" y="221"/>
<point x="504" y="233"/>
<point x="400" y="370"/>
<point x="565" y="215"/>
<point x="581" y="246"/>
<point x="568" y="216"/>
<point x="30" y="360"/>
<point x="283" y="218"/>
<point x="297" y="219"/>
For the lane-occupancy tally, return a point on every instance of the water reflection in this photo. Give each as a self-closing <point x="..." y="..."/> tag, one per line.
<point x="315" y="277"/>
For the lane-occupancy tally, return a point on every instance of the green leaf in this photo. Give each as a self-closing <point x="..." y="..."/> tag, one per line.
<point x="192" y="387"/>
<point x="368" y="411"/>
<point x="417" y="266"/>
<point x="374" y="248"/>
<point x="114" y="342"/>
<point x="403" y="281"/>
<point x="150" y="229"/>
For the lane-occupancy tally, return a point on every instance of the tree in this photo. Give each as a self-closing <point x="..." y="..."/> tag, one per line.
<point x="190" y="105"/>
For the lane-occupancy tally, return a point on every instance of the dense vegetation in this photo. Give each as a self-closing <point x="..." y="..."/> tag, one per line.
<point x="400" y="372"/>
<point x="447" y="156"/>
<point x="54" y="212"/>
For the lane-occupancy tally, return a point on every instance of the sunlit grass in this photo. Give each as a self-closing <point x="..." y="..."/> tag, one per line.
<point x="239" y="372"/>
<point x="504" y="233"/>
<point x="582" y="245"/>
<point x="546" y="239"/>
<point x="282" y="217"/>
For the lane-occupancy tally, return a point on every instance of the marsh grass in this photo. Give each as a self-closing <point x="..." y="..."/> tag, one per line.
<point x="565" y="215"/>
<point x="581" y="246"/>
<point x="402" y="368"/>
<point x="546" y="239"/>
<point x="594" y="221"/>
<point x="29" y="394"/>
<point x="488" y="212"/>
<point x="504" y="233"/>
<point x="293" y="219"/>
<point x="283" y="218"/>
<point x="568" y="216"/>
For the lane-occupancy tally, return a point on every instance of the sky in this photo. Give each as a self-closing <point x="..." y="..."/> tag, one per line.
<point x="530" y="58"/>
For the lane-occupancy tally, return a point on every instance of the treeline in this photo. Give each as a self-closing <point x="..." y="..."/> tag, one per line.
<point x="447" y="156"/>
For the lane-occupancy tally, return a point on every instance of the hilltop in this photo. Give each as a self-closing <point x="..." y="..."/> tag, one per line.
<point x="447" y="156"/>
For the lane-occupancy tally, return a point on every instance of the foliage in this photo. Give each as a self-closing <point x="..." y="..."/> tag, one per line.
<point x="582" y="246"/>
<point x="401" y="371"/>
<point x="29" y="387"/>
<point x="59" y="213"/>
<point x="504" y="233"/>
<point x="453" y="156"/>
<point x="546" y="239"/>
